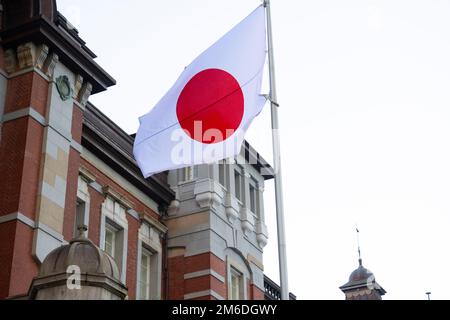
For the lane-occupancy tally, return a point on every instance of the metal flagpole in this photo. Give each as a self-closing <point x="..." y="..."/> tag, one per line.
<point x="277" y="164"/>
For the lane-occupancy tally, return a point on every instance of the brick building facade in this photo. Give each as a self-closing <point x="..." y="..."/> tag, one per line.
<point x="193" y="233"/>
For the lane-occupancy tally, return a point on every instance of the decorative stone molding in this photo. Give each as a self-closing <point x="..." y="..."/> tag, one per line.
<point x="231" y="207"/>
<point x="153" y="222"/>
<point x="255" y="261"/>
<point x="85" y="93"/>
<point x="357" y="293"/>
<point x="230" y="161"/>
<point x="108" y="191"/>
<point x="173" y="207"/>
<point x="207" y="199"/>
<point x="41" y="54"/>
<point x="10" y="61"/>
<point x="261" y="234"/>
<point x="88" y="175"/>
<point x="64" y="87"/>
<point x="208" y="193"/>
<point x="26" y="54"/>
<point x="247" y="221"/>
<point x="77" y="86"/>
<point x="50" y="64"/>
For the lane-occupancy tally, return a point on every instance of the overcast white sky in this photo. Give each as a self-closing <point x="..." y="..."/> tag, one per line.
<point x="364" y="88"/>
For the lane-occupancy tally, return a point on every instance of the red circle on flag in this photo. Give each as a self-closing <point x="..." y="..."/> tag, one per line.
<point x="212" y="102"/>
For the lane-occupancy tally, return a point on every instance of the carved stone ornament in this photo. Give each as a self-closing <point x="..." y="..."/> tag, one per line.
<point x="63" y="86"/>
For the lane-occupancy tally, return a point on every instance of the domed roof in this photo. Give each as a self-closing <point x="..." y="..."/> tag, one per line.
<point x="360" y="277"/>
<point x="83" y="253"/>
<point x="360" y="274"/>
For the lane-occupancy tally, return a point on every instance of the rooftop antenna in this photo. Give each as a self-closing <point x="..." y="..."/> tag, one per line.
<point x="359" y="249"/>
<point x="428" y="294"/>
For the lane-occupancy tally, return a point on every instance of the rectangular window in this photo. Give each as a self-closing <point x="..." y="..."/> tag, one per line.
<point x="110" y="240"/>
<point x="236" y="285"/>
<point x="82" y="205"/>
<point x="114" y="231"/>
<point x="222" y="174"/>
<point x="79" y="216"/>
<point x="237" y="185"/>
<point x="144" y="280"/>
<point x="253" y="199"/>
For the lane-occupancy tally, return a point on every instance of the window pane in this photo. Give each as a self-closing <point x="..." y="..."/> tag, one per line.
<point x="109" y="242"/>
<point x="144" y="281"/>
<point x="252" y="199"/>
<point x="236" y="284"/>
<point x="222" y="174"/>
<point x="79" y="216"/>
<point x="237" y="185"/>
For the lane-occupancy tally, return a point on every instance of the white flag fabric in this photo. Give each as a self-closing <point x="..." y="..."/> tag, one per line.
<point x="205" y="114"/>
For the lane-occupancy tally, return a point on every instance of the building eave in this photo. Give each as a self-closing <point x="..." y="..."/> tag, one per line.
<point x="72" y="53"/>
<point x="252" y="157"/>
<point x="112" y="145"/>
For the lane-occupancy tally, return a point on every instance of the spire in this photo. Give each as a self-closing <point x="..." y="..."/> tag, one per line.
<point x="359" y="249"/>
<point x="361" y="284"/>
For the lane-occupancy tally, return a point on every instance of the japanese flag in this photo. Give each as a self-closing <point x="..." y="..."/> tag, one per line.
<point x="204" y="116"/>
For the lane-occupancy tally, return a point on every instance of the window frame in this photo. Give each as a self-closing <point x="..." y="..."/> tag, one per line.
<point x="82" y="205"/>
<point x="116" y="219"/>
<point x="238" y="182"/>
<point x="110" y="228"/>
<point x="150" y="240"/>
<point x="149" y="255"/>
<point x="239" y="276"/>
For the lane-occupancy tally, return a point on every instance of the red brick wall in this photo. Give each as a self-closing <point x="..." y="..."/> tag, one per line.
<point x="176" y="270"/>
<point x="257" y="293"/>
<point x="26" y="90"/>
<point x="20" y="160"/>
<point x="21" y="145"/>
<point x="179" y="266"/>
<point x="17" y="266"/>
<point x="96" y="201"/>
<point x="77" y="123"/>
<point x="133" y="231"/>
<point x="24" y="266"/>
<point x="20" y="156"/>
<point x="7" y="241"/>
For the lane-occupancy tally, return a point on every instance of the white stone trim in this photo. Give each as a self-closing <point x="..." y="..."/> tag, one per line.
<point x="17" y="216"/>
<point x="50" y="231"/>
<point x="25" y="112"/>
<point x="133" y="213"/>
<point x="205" y="272"/>
<point x="121" y="223"/>
<point x="84" y="197"/>
<point x="203" y="293"/>
<point x="153" y="222"/>
<point x="27" y="70"/>
<point x="154" y="245"/>
<point x="78" y="147"/>
<point x="231" y="263"/>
